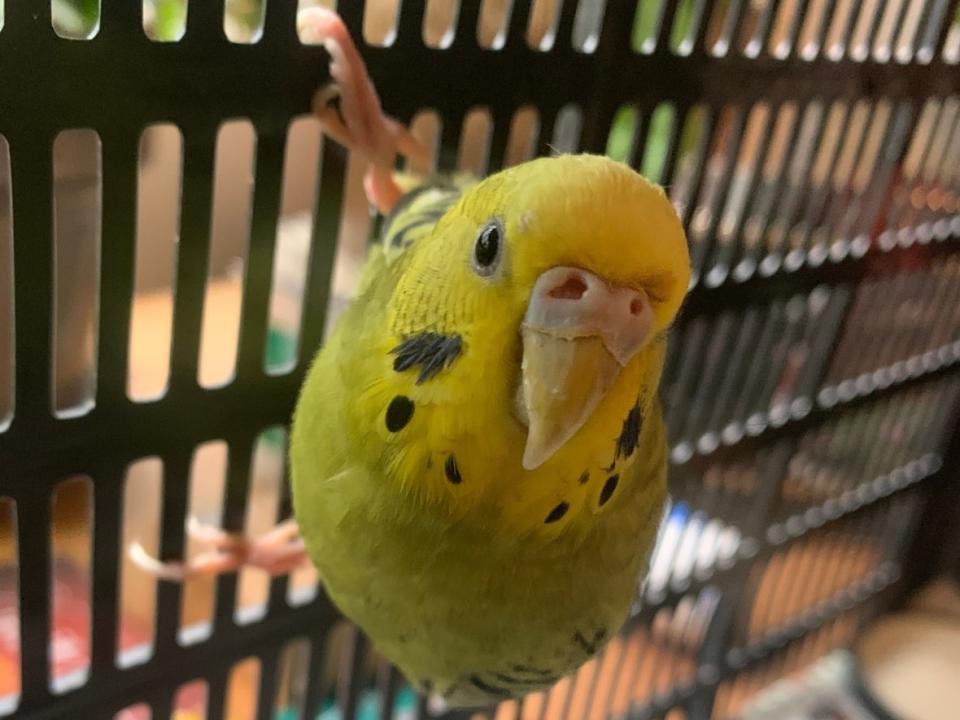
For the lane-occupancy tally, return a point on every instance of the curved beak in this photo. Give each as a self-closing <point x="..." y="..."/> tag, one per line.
<point x="578" y="333"/>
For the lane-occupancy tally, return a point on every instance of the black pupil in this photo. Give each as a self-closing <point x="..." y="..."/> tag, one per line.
<point x="487" y="245"/>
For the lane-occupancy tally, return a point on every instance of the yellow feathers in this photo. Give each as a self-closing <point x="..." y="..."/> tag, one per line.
<point x="478" y="455"/>
<point x="583" y="211"/>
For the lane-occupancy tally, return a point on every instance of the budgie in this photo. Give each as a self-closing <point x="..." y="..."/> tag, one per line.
<point x="478" y="459"/>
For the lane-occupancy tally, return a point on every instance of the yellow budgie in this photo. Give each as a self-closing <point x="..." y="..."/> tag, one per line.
<point x="478" y="456"/>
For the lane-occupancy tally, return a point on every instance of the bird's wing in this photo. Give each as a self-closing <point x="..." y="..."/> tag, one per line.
<point x="416" y="214"/>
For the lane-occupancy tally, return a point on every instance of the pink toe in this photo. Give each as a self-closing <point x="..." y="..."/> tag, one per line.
<point x="382" y="192"/>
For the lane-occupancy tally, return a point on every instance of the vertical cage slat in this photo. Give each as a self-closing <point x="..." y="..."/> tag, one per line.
<point x="264" y="226"/>
<point x="119" y="222"/>
<point x="280" y="25"/>
<point x="217" y="689"/>
<point x="107" y="519"/>
<point x="323" y="245"/>
<point x="205" y="25"/>
<point x="172" y="547"/>
<point x="350" y="671"/>
<point x="33" y="513"/>
<point x="31" y="181"/>
<point x="237" y="482"/>
<point x="313" y="696"/>
<point x="565" y="24"/>
<point x="518" y="18"/>
<point x="125" y="19"/>
<point x="410" y="24"/>
<point x="267" y="690"/>
<point x="950" y="9"/>
<point x="192" y="260"/>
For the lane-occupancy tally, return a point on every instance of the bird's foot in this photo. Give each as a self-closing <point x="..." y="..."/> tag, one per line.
<point x="278" y="552"/>
<point x="357" y="121"/>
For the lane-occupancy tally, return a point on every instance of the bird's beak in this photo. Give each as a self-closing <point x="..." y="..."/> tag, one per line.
<point x="578" y="333"/>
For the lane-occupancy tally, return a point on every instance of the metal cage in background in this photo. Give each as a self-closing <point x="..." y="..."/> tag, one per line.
<point x="174" y="233"/>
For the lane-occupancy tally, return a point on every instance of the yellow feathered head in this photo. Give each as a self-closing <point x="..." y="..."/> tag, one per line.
<point x="556" y="275"/>
<point x="528" y="332"/>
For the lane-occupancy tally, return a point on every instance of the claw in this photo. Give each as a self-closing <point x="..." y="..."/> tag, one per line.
<point x="359" y="124"/>
<point x="278" y="552"/>
<point x="170" y="571"/>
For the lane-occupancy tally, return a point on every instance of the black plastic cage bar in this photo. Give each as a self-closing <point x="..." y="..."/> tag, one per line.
<point x="175" y="233"/>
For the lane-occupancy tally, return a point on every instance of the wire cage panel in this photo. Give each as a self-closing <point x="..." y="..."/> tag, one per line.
<point x="176" y="235"/>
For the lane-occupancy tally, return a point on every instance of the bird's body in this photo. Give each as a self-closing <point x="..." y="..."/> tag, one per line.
<point x="464" y="610"/>
<point x="477" y="455"/>
<point x="482" y="562"/>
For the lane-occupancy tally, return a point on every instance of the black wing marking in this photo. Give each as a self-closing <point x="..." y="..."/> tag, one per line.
<point x="415" y="214"/>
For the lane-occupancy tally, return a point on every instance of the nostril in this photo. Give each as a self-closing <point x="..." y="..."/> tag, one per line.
<point x="573" y="288"/>
<point x="636" y="306"/>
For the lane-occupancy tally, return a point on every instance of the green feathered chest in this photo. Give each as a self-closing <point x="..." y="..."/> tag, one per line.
<point x="461" y="610"/>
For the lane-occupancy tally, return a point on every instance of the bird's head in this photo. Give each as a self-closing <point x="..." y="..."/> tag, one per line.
<point x="554" y="282"/>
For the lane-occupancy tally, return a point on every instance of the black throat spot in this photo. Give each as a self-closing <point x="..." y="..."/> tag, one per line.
<point x="630" y="434"/>
<point x="399" y="412"/>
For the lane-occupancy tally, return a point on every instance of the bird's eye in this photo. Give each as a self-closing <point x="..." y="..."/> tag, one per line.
<point x="486" y="251"/>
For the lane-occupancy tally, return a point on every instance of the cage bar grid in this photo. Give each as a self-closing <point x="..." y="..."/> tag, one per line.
<point x="811" y="386"/>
